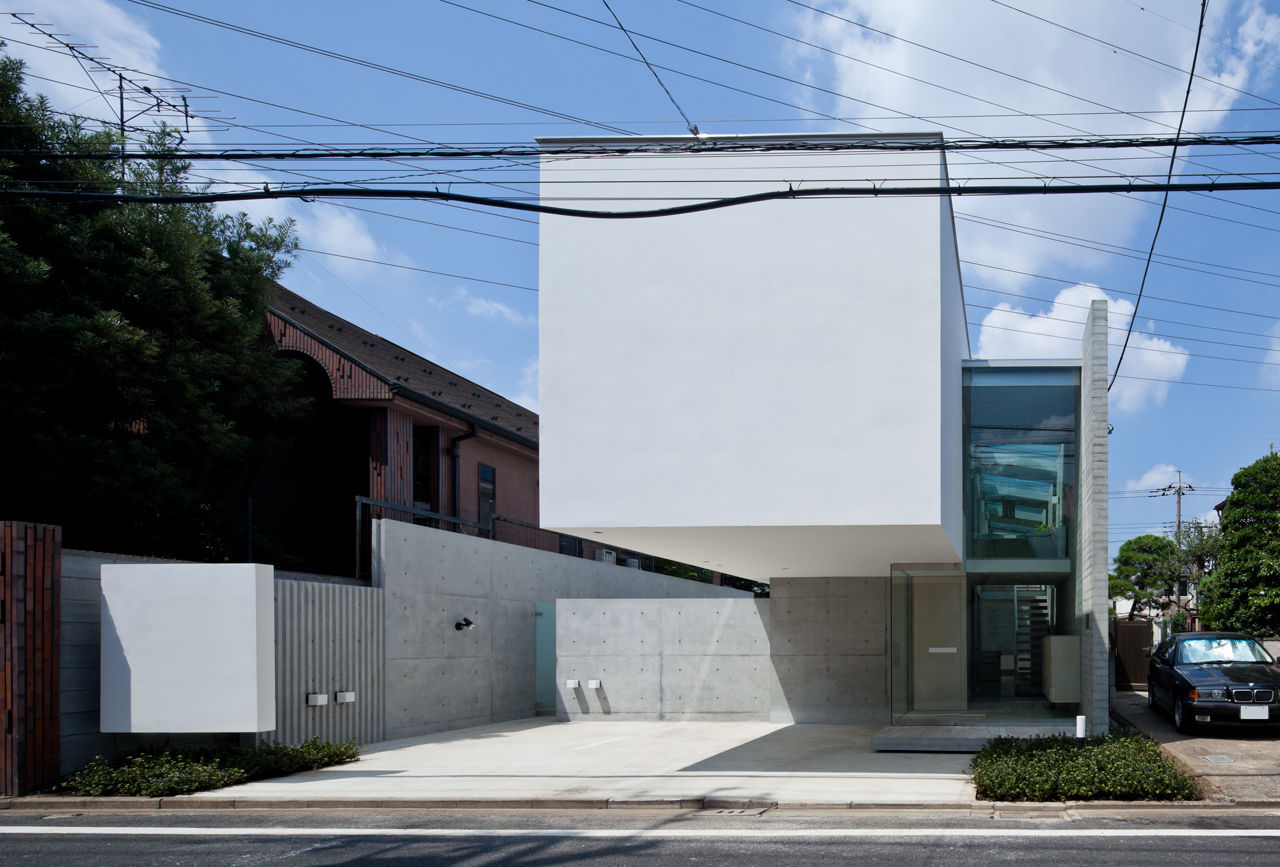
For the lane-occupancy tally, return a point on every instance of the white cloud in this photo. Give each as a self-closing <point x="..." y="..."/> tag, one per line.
<point x="1156" y="477"/>
<point x="488" y="308"/>
<point x="1010" y="332"/>
<point x="1271" y="370"/>
<point x="1078" y="76"/>
<point x="527" y="393"/>
<point x="114" y="34"/>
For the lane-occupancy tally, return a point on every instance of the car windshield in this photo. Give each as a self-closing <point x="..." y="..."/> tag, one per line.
<point x="1221" y="650"/>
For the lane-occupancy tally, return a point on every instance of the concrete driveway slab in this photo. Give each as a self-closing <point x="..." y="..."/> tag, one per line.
<point x="544" y="760"/>
<point x="1237" y="765"/>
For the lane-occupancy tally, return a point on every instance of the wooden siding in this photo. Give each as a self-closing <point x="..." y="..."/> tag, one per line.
<point x="349" y="380"/>
<point x="329" y="639"/>
<point x="391" y="456"/>
<point x="30" y="564"/>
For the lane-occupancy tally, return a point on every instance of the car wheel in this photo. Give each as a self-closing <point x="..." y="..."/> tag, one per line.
<point x="1180" y="721"/>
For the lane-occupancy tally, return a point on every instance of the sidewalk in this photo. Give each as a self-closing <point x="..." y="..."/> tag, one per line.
<point x="1239" y="766"/>
<point x="695" y="765"/>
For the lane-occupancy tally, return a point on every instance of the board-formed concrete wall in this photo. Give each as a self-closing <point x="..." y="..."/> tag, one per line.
<point x="1092" y="560"/>
<point x="438" y="677"/>
<point x="814" y="652"/>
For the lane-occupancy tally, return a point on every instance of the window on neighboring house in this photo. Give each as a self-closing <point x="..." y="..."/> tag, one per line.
<point x="1182" y="586"/>
<point x="487" y="492"/>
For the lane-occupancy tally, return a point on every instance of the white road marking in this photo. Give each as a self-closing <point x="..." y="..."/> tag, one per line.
<point x="621" y="833"/>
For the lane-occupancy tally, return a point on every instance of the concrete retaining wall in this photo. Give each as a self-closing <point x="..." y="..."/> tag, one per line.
<point x="438" y="677"/>
<point x="814" y="652"/>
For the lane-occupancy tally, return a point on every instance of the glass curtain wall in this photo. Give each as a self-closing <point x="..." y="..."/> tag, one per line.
<point x="1020" y="455"/>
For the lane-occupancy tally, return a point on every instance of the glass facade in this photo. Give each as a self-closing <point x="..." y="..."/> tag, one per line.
<point x="1020" y="432"/>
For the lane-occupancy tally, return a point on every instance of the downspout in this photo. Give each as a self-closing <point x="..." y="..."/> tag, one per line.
<point x="455" y="452"/>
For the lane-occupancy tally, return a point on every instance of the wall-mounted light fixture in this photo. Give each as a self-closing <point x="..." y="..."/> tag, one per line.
<point x="344" y="697"/>
<point x="317" y="699"/>
<point x="464" y="623"/>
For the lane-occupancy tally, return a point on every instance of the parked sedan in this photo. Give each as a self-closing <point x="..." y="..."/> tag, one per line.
<point x="1214" y="678"/>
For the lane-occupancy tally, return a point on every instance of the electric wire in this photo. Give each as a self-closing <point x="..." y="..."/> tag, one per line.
<point x="690" y="125"/>
<point x="379" y="67"/>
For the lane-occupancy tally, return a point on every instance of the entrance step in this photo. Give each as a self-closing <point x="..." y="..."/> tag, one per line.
<point x="958" y="738"/>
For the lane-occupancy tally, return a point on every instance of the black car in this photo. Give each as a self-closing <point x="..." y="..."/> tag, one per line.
<point x="1211" y="678"/>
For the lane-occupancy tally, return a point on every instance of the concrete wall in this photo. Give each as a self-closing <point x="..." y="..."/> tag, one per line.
<point x="798" y="342"/>
<point x="814" y="652"/>
<point x="1092" y="560"/>
<point x="438" y="677"/>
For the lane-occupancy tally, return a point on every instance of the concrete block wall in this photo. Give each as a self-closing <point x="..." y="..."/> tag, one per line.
<point x="814" y="652"/>
<point x="1092" y="560"/>
<point x="438" y="677"/>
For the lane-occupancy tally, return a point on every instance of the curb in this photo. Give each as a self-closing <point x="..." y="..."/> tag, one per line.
<point x="183" y="803"/>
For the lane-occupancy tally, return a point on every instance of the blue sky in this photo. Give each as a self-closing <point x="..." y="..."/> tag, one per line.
<point x="968" y="68"/>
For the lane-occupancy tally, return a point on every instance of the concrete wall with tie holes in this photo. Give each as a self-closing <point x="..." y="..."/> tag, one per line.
<point x="816" y="651"/>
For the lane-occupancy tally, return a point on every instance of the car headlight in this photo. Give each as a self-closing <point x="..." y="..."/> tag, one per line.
<point x="1207" y="694"/>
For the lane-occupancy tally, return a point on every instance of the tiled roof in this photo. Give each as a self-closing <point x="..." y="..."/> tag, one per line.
<point x="408" y="374"/>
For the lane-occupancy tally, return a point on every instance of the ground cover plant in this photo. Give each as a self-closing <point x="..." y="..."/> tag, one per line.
<point x="1119" y="766"/>
<point x="156" y="773"/>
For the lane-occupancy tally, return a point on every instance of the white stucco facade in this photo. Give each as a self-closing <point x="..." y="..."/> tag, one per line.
<point x="188" y="647"/>
<point x="771" y="389"/>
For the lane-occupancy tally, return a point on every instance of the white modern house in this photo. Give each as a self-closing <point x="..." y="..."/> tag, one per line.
<point x="784" y="390"/>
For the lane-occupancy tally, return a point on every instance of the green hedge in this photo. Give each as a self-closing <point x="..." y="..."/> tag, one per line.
<point x="156" y="773"/>
<point x="1118" y="766"/>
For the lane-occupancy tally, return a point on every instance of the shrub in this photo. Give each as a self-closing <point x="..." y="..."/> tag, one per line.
<point x="1118" y="766"/>
<point x="161" y="773"/>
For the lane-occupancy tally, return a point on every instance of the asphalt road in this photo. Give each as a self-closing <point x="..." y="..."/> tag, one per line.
<point x="1136" y="836"/>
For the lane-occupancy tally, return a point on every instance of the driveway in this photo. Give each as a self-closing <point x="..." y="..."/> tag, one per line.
<point x="1240" y="766"/>
<point x="630" y="763"/>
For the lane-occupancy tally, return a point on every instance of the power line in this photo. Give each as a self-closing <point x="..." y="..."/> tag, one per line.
<point x="1164" y="204"/>
<point x="378" y="67"/>
<point x="712" y="146"/>
<point x="875" y="190"/>
<point x="690" y="125"/>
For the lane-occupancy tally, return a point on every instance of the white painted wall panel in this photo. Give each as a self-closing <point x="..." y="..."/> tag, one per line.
<point x="187" y="648"/>
<point x="771" y="365"/>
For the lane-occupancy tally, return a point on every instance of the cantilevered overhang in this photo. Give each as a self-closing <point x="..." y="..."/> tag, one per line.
<point x="761" y="553"/>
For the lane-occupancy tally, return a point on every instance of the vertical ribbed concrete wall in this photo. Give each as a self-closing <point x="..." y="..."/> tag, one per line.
<point x="329" y="639"/>
<point x="1092" y="558"/>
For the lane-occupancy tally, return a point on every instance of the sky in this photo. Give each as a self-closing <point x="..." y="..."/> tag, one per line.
<point x="1199" y="388"/>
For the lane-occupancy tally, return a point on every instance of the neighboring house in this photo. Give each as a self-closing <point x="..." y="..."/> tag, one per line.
<point x="386" y="424"/>
<point x="785" y="391"/>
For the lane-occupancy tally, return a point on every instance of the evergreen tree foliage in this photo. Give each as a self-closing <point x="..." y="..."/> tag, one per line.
<point x="1243" y="592"/>
<point x="134" y="373"/>
<point x="1146" y="570"/>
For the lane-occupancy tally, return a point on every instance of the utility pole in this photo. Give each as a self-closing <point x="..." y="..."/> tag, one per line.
<point x="1177" y="490"/>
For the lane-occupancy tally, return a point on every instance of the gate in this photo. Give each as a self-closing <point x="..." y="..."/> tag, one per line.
<point x="1131" y="639"/>
<point x="30" y="568"/>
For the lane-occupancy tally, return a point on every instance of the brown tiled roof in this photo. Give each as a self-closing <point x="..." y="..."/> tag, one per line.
<point x="408" y="374"/>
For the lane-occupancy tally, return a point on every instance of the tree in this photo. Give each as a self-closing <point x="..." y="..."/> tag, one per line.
<point x="1146" y="570"/>
<point x="1243" y="592"/>
<point x="133" y="370"/>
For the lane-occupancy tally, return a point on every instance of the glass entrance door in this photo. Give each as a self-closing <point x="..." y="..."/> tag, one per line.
<point x="928" y="641"/>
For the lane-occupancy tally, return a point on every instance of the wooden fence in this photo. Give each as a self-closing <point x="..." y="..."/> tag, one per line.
<point x="30" y="564"/>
